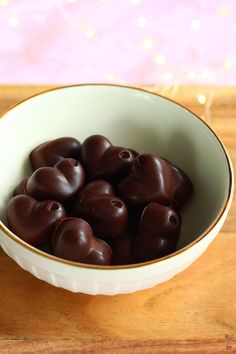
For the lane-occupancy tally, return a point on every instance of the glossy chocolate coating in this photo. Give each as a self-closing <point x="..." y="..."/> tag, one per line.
<point x="61" y="182"/>
<point x="20" y="188"/>
<point x="74" y="240"/>
<point x="33" y="221"/>
<point x="49" y="153"/>
<point x="183" y="187"/>
<point x="150" y="180"/>
<point x="158" y="233"/>
<point x="106" y="213"/>
<point x="102" y="160"/>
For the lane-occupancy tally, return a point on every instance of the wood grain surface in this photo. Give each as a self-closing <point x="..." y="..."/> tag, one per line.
<point x="193" y="313"/>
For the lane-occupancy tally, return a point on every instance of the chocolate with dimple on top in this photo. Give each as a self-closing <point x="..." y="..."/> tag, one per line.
<point x="106" y="213"/>
<point x="150" y="180"/>
<point x="158" y="234"/>
<point x="34" y="221"/>
<point x="60" y="182"/>
<point x="102" y="160"/>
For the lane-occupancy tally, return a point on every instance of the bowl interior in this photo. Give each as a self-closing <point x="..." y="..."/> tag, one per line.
<point x="130" y="118"/>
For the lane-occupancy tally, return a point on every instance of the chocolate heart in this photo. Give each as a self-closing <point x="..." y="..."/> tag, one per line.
<point x="183" y="187"/>
<point x="60" y="183"/>
<point x="20" y="188"/>
<point x="102" y="160"/>
<point x="33" y="221"/>
<point x="106" y="213"/>
<point x="49" y="153"/>
<point x="158" y="233"/>
<point x="150" y="180"/>
<point x="74" y="240"/>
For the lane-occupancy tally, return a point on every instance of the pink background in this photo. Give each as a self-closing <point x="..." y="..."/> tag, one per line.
<point x="145" y="42"/>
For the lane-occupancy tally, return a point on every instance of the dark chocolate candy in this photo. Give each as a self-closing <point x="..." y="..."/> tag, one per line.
<point x="60" y="183"/>
<point x="33" y="221"/>
<point x="150" y="180"/>
<point x="158" y="233"/>
<point x="74" y="240"/>
<point x="106" y="213"/>
<point x="102" y="160"/>
<point x="20" y="188"/>
<point x="49" y="153"/>
<point x="183" y="187"/>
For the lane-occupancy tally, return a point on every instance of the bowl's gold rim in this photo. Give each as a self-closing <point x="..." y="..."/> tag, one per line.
<point x="136" y="265"/>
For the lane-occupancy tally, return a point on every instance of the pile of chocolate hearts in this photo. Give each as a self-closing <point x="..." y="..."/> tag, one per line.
<point x="97" y="203"/>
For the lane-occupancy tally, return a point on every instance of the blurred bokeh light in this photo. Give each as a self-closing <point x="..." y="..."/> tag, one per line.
<point x="144" y="42"/>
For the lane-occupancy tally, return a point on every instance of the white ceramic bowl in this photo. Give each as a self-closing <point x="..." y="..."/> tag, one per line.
<point x="133" y="118"/>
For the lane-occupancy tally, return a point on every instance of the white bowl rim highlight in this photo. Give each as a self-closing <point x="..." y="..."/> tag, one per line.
<point x="135" y="265"/>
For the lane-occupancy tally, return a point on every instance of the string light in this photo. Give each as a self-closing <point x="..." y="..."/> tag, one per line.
<point x="13" y="21"/>
<point x="110" y="77"/>
<point x="4" y="2"/>
<point x="223" y="10"/>
<point x="201" y="98"/>
<point x="191" y="75"/>
<point x="142" y="22"/>
<point x="89" y="33"/>
<point x="228" y="64"/>
<point x="148" y="43"/>
<point x="160" y="59"/>
<point x="205" y="74"/>
<point x="168" y="76"/>
<point x="208" y="105"/>
<point x="195" y="24"/>
<point x="135" y="2"/>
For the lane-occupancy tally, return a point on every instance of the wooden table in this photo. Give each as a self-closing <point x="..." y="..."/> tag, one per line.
<point x="195" y="312"/>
